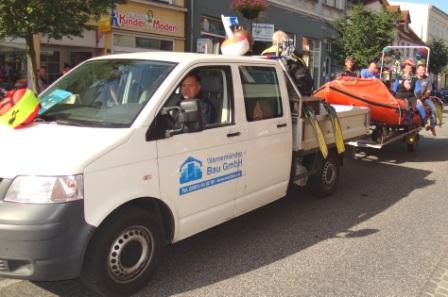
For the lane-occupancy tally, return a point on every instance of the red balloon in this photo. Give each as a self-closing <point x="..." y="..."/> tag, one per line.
<point x="18" y="94"/>
<point x="5" y="105"/>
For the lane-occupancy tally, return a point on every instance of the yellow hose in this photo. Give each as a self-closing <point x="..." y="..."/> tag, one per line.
<point x="309" y="115"/>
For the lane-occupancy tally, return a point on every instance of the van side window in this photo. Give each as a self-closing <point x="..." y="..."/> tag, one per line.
<point x="216" y="95"/>
<point x="261" y="93"/>
<point x="216" y="87"/>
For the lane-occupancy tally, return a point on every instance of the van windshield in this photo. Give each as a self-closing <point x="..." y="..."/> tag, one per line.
<point x="103" y="93"/>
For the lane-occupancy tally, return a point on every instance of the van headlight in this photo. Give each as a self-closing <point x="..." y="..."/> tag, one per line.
<point x="46" y="189"/>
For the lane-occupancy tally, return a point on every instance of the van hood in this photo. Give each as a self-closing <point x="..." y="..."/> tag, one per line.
<point x="52" y="149"/>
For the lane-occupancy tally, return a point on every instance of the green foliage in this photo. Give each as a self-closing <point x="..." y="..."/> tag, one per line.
<point x="363" y="35"/>
<point x="439" y="56"/>
<point x="52" y="18"/>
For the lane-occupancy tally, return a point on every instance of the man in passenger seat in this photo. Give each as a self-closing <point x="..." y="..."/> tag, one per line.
<point x="191" y="89"/>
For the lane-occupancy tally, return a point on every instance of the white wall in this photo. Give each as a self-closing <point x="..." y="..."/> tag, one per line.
<point x="88" y="40"/>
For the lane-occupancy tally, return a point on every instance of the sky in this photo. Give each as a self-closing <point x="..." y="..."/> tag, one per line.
<point x="441" y="4"/>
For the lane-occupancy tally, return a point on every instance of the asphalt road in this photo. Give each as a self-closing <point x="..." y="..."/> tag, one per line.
<point x="384" y="233"/>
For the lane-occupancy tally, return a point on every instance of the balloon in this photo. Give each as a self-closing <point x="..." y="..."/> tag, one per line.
<point x="19" y="108"/>
<point x="422" y="52"/>
<point x="237" y="45"/>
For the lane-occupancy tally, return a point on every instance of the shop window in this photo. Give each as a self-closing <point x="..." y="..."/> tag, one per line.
<point x="261" y="93"/>
<point x="212" y="29"/>
<point x="12" y="66"/>
<point x="129" y="41"/>
<point x="151" y="43"/>
<point x="51" y="61"/>
<point x="212" y="26"/>
<point x="124" y="40"/>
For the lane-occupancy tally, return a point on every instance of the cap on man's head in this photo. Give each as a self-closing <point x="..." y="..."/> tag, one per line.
<point x="421" y="63"/>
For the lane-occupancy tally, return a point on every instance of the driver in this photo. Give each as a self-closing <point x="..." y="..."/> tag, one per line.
<point x="191" y="89"/>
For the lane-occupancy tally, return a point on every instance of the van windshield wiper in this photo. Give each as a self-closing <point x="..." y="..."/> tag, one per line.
<point x="44" y="118"/>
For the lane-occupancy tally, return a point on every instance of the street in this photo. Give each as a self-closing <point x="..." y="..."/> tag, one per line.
<point x="384" y="233"/>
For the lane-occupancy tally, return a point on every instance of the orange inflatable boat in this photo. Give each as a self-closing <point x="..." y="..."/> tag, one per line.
<point x="371" y="93"/>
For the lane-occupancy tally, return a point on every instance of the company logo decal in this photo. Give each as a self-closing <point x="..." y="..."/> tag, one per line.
<point x="190" y="170"/>
<point x="216" y="170"/>
<point x="134" y="19"/>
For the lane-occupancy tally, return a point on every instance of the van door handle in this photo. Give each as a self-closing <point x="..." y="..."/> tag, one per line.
<point x="234" y="134"/>
<point x="281" y="125"/>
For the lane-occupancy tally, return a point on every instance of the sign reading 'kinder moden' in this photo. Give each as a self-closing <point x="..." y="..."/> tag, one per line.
<point x="150" y="21"/>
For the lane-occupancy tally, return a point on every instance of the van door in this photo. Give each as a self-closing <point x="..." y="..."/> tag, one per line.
<point x="198" y="171"/>
<point x="268" y="138"/>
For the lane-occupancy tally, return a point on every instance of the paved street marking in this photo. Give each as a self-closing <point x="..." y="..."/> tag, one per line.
<point x="437" y="286"/>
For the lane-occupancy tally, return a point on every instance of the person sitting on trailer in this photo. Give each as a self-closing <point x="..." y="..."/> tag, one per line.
<point x="371" y="71"/>
<point x="403" y="88"/>
<point x="423" y="88"/>
<point x="349" y="68"/>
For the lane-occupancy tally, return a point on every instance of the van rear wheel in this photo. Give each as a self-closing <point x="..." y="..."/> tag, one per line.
<point x="324" y="182"/>
<point x="123" y="253"/>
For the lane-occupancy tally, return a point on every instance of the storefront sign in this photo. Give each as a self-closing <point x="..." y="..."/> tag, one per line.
<point x="262" y="32"/>
<point x="139" y="17"/>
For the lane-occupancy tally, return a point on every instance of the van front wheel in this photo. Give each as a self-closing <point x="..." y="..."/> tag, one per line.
<point x="123" y="253"/>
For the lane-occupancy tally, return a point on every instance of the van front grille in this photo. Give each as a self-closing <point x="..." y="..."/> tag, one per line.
<point x="4" y="265"/>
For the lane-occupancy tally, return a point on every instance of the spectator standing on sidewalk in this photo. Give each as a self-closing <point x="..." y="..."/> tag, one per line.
<point x="42" y="82"/>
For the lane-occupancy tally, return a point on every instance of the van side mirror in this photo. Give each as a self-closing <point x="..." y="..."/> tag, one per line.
<point x="187" y="117"/>
<point x="191" y="114"/>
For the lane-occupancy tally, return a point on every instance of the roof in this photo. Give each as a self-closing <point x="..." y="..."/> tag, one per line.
<point x="382" y="2"/>
<point x="405" y="16"/>
<point x="393" y="8"/>
<point x="178" y="57"/>
<point x="410" y="36"/>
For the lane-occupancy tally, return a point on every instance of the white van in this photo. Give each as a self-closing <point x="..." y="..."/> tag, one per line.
<point x="118" y="165"/>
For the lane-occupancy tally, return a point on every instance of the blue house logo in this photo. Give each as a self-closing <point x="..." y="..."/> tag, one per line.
<point x="190" y="170"/>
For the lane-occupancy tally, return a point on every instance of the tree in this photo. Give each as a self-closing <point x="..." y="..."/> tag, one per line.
<point x="363" y="34"/>
<point x="439" y="56"/>
<point x="52" y="18"/>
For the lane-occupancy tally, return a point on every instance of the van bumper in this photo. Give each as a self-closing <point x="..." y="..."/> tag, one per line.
<point x="43" y="242"/>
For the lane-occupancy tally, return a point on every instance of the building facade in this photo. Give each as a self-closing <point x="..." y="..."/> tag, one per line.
<point x="305" y="21"/>
<point x="136" y="25"/>
<point x="139" y="25"/>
